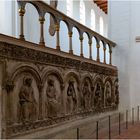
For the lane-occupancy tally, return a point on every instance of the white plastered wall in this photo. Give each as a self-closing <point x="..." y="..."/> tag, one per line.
<point x="123" y="29"/>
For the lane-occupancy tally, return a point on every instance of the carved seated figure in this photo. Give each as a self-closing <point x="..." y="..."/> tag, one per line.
<point x="52" y="105"/>
<point x="27" y="102"/>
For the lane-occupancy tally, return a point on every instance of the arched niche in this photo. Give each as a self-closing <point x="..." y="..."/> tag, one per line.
<point x="71" y="92"/>
<point x="25" y="98"/>
<point x="52" y="94"/>
<point x="86" y="93"/>
<point x="97" y="98"/>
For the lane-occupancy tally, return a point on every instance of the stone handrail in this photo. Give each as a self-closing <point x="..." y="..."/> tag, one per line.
<point x="58" y="16"/>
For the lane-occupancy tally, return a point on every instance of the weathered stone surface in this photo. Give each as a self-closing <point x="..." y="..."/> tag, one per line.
<point x="43" y="89"/>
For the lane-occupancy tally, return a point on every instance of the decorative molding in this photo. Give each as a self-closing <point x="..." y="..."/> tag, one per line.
<point x="27" y="54"/>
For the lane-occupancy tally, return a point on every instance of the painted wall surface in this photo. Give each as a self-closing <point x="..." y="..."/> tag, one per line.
<point x="32" y="27"/>
<point x="123" y="29"/>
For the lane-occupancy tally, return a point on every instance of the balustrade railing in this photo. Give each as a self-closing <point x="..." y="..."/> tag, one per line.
<point x="44" y="8"/>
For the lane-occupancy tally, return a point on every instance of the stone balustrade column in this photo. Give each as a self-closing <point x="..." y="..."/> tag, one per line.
<point x="110" y="58"/>
<point x="70" y="43"/>
<point x="90" y="49"/>
<point x="41" y="20"/>
<point x="105" y="55"/>
<point x="81" y="46"/>
<point x="98" y="52"/>
<point x="57" y="27"/>
<point x="21" y="14"/>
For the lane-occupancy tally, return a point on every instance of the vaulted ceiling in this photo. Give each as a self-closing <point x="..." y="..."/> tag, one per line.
<point x="102" y="4"/>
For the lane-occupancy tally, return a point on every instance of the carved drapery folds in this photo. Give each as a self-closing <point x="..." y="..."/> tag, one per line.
<point x="52" y="104"/>
<point x="86" y="95"/>
<point x="49" y="97"/>
<point x="40" y="95"/>
<point x="27" y="102"/>
<point x="71" y="98"/>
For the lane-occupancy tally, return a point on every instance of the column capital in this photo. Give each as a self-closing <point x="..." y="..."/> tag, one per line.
<point x="90" y="42"/>
<point x="21" y="11"/>
<point x="110" y="51"/>
<point x="81" y="38"/>
<point x="41" y="19"/>
<point x="98" y="45"/>
<point x="57" y="27"/>
<point x="70" y="34"/>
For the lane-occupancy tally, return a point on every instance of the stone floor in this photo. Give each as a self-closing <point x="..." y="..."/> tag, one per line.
<point x="133" y="132"/>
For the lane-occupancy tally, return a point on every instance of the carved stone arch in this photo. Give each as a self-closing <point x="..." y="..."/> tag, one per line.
<point x="79" y="31"/>
<point x="88" y="35"/>
<point x="108" y="79"/>
<point x="74" y="74"/>
<point x="115" y="81"/>
<point x="38" y="8"/>
<point x="67" y="24"/>
<point x="55" y="73"/>
<point x="25" y="69"/>
<point x="96" y="79"/>
<point x="18" y="77"/>
<point x="53" y="16"/>
<point x="98" y="88"/>
<point x="52" y="81"/>
<point x="87" y="76"/>
<point x="86" y="91"/>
